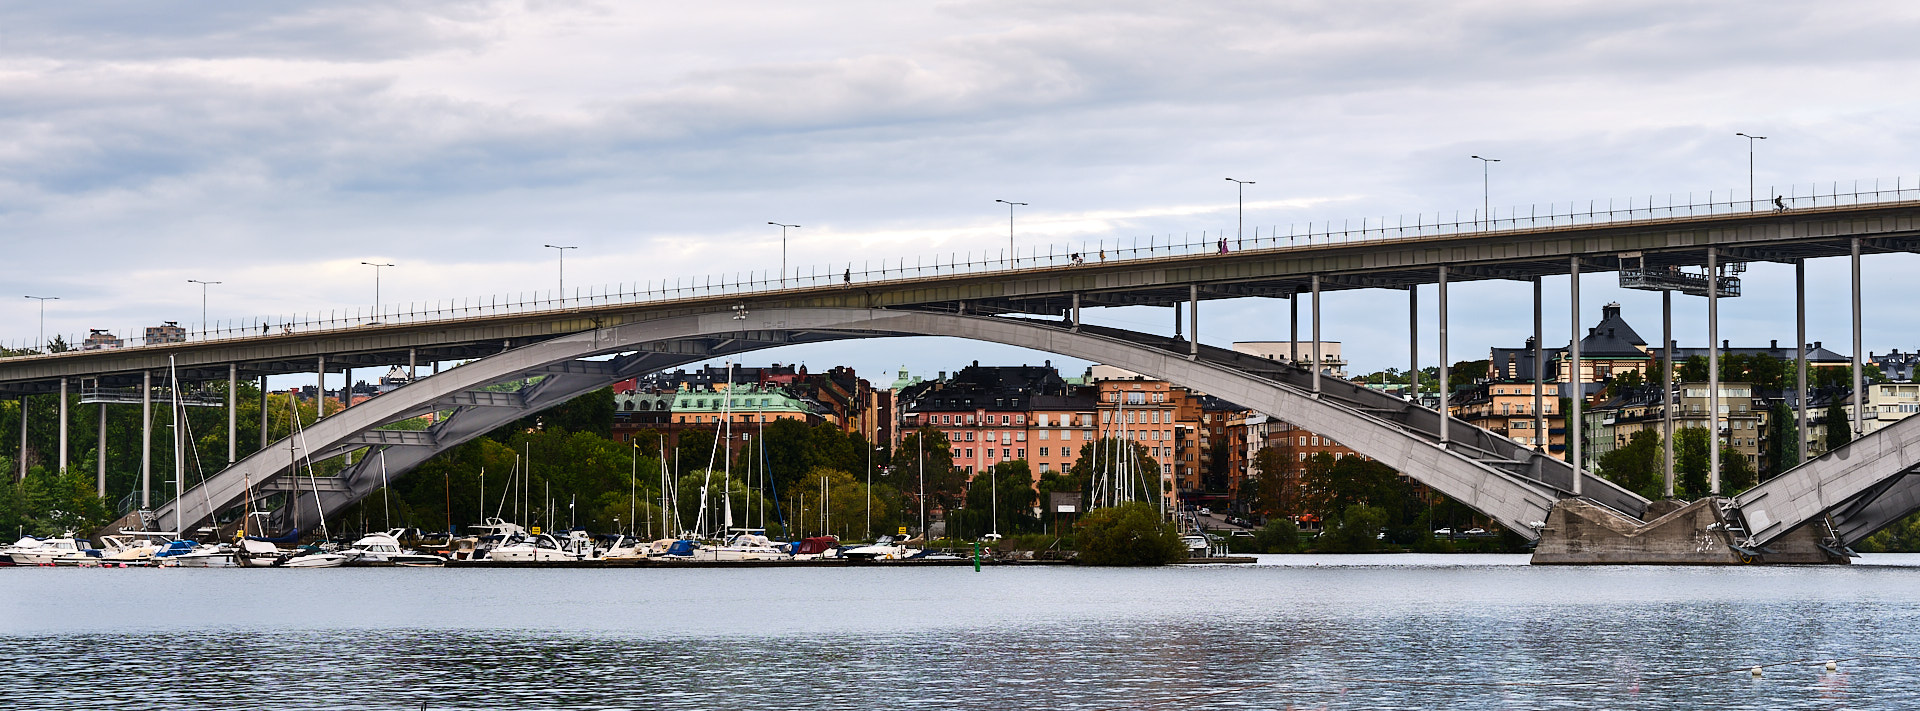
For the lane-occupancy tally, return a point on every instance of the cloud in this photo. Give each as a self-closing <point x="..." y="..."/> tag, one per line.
<point x="275" y="147"/>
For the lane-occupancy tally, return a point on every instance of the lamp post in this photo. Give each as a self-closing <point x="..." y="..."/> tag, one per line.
<point x="376" y="289"/>
<point x="783" y="250"/>
<point x="1750" y="140"/>
<point x="203" y="302"/>
<point x="1010" y="252"/>
<point x="563" y="270"/>
<point x="1240" y="235"/>
<point x="43" y="321"/>
<point x="1486" y="195"/>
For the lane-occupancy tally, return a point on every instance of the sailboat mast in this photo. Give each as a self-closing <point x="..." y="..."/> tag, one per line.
<point x="726" y="476"/>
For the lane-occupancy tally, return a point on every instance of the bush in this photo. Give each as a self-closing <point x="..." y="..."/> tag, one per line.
<point x="1354" y="531"/>
<point x="1129" y="534"/>
<point x="1278" y="536"/>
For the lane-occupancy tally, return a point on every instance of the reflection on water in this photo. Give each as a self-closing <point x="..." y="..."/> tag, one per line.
<point x="1301" y="631"/>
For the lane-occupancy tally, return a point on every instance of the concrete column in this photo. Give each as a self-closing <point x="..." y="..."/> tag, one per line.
<point x="1316" y="334"/>
<point x="346" y="390"/>
<point x="1859" y="377"/>
<point x="1445" y="388"/>
<point x="263" y="412"/>
<point x="146" y="439"/>
<point x="23" y="437"/>
<point x="233" y="412"/>
<point x="100" y="453"/>
<point x="1666" y="387"/>
<point x="1193" y="317"/>
<point x="63" y="425"/>
<point x="1713" y="371"/>
<point x="1076" y="326"/>
<point x="320" y="399"/>
<point x="1573" y="359"/>
<point x="1542" y="438"/>
<point x="1800" y="352"/>
<point x="1413" y="341"/>
<point x="1293" y="329"/>
<point x="413" y="365"/>
<point x="1176" y="322"/>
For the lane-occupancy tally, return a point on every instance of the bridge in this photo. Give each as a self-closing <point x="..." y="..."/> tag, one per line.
<point x="578" y="343"/>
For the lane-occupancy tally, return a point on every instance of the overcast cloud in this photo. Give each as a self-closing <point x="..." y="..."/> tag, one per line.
<point x="276" y="146"/>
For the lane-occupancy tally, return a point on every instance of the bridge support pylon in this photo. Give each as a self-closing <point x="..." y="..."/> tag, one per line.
<point x="1580" y="532"/>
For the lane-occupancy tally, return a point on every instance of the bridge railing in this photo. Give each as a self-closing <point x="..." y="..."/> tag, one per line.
<point x="1313" y="234"/>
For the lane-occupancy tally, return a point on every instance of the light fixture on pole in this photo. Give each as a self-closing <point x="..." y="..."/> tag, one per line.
<point x="1750" y="140"/>
<point x="376" y="289"/>
<point x="1010" y="252"/>
<point x="563" y="270"/>
<point x="203" y="302"/>
<point x="1486" y="195"/>
<point x="43" y="318"/>
<point x="783" y="250"/>
<point x="1240" y="235"/>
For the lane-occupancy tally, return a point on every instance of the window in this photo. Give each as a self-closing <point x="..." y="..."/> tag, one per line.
<point x="1086" y="434"/>
<point x="969" y="452"/>
<point x="1044" y="434"/>
<point x="1022" y="453"/>
<point x="1303" y="443"/>
<point x="1003" y="420"/>
<point x="1043" y="451"/>
<point x="1020" y="436"/>
<point x="1045" y="467"/>
<point x="1303" y="456"/>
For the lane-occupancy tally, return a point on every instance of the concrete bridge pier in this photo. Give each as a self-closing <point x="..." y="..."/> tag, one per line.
<point x="1580" y="532"/>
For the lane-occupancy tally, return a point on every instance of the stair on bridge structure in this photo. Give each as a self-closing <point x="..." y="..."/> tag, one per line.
<point x="1703" y="532"/>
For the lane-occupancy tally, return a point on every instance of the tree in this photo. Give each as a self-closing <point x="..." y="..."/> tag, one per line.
<point x="1736" y="472"/>
<point x="1694" y="369"/>
<point x="1465" y="373"/>
<point x="1690" y="462"/>
<point x="1129" y="534"/>
<point x="1640" y="466"/>
<point x="1276" y="487"/>
<point x="1012" y="482"/>
<point x="1838" y="429"/>
<point x="1330" y="486"/>
<point x="1356" y="530"/>
<point x="1783" y="441"/>
<point x="945" y="484"/>
<point x="1278" y="536"/>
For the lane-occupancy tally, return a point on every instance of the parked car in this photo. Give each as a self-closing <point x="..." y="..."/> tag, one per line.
<point x="1448" y="532"/>
<point x="1243" y="533"/>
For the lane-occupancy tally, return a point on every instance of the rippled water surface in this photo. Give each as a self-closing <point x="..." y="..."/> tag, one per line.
<point x="1310" y="632"/>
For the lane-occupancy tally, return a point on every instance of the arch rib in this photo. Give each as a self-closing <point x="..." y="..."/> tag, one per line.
<point x="1515" y="502"/>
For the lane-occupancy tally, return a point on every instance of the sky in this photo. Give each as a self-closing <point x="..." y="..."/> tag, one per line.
<point x="274" y="147"/>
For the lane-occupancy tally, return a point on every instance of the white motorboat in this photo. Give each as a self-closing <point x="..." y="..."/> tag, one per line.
<point x="884" y="549"/>
<point x="747" y="544"/>
<point x="311" y="557"/>
<point x="540" y="548"/>
<point x="116" y="550"/>
<point x="47" y="550"/>
<point x="488" y="535"/>
<point x="256" y="554"/>
<point x="182" y="554"/>
<point x="384" y="549"/>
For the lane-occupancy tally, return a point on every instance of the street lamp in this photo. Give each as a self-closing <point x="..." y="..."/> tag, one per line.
<point x="1240" y="235"/>
<point x="563" y="270"/>
<point x="376" y="289"/>
<point x="1750" y="140"/>
<point x="1010" y="252"/>
<point x="1486" y="199"/>
<point x="203" y="302"/>
<point x="783" y="251"/>
<point x="43" y="318"/>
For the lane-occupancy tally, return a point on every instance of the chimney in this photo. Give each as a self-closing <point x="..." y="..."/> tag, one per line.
<point x="1773" y="345"/>
<point x="1611" y="310"/>
<point x="1816" y="345"/>
<point x="1725" y="344"/>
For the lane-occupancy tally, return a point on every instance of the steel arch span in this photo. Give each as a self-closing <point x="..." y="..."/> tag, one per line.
<point x="1484" y="471"/>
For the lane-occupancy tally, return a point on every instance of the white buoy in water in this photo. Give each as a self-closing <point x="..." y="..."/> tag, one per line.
<point x="1833" y="666"/>
<point x="1756" y="672"/>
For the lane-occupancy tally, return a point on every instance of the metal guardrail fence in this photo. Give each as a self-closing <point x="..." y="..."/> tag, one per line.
<point x="1119" y="250"/>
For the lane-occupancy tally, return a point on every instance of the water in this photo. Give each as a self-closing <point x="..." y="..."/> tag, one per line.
<point x="1309" y="632"/>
